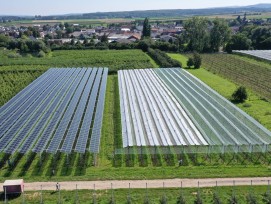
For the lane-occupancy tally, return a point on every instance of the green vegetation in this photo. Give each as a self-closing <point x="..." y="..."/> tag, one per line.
<point x="255" y="106"/>
<point x="121" y="59"/>
<point x="167" y="195"/>
<point x="240" y="94"/>
<point x="11" y="82"/>
<point x="238" y="70"/>
<point x="163" y="59"/>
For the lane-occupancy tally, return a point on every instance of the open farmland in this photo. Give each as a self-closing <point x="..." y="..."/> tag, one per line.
<point x="118" y="59"/>
<point x="46" y="115"/>
<point x="239" y="70"/>
<point x="152" y="117"/>
<point x="109" y="166"/>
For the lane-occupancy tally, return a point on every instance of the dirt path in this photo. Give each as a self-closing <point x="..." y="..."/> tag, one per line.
<point x="71" y="185"/>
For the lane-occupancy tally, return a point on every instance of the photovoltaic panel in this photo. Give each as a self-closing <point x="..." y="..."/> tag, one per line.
<point x="48" y="113"/>
<point x="97" y="126"/>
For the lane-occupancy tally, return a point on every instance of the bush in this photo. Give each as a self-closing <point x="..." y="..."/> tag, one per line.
<point x="14" y="55"/>
<point x="190" y="62"/>
<point x="251" y="199"/>
<point x="163" y="59"/>
<point x="198" y="199"/>
<point x="41" y="54"/>
<point x="216" y="199"/>
<point x="240" y="94"/>
<point x="197" y="60"/>
<point x="163" y="200"/>
<point x="181" y="200"/>
<point x="233" y="200"/>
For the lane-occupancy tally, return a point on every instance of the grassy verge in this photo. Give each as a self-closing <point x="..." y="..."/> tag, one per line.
<point x="255" y="106"/>
<point x="200" y="166"/>
<point x="169" y="195"/>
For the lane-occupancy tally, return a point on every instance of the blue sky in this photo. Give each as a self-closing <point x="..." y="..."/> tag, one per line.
<point x="50" y="7"/>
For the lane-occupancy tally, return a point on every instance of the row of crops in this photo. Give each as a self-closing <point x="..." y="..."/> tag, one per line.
<point x="256" y="76"/>
<point x="47" y="114"/>
<point x="170" y="107"/>
<point x="12" y="82"/>
<point x="120" y="59"/>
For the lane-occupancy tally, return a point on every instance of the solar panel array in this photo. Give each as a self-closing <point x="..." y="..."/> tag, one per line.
<point x="150" y="114"/>
<point x="170" y="107"/>
<point x="263" y="54"/>
<point x="48" y="113"/>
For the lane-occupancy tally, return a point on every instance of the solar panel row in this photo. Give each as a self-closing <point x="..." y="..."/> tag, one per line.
<point x="220" y="123"/>
<point x="41" y="109"/>
<point x="51" y="112"/>
<point x="85" y="128"/>
<point x="13" y="124"/>
<point x="47" y="134"/>
<point x="97" y="126"/>
<point x="151" y="116"/>
<point x="74" y="126"/>
<point x="36" y="131"/>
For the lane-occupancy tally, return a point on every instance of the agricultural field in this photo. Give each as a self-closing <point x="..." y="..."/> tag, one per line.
<point x="119" y="59"/>
<point x="12" y="82"/>
<point x="112" y="164"/>
<point x="254" y="76"/>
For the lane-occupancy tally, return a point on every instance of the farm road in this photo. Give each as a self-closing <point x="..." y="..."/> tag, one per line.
<point x="210" y="182"/>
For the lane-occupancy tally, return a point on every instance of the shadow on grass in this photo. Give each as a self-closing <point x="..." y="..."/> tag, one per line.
<point x="156" y="160"/>
<point x="54" y="165"/>
<point x="9" y="196"/>
<point x="143" y="160"/>
<point x="4" y="160"/>
<point x="68" y="164"/>
<point x="26" y="166"/>
<point x="193" y="159"/>
<point x="13" y="164"/>
<point x="81" y="164"/>
<point x="40" y="166"/>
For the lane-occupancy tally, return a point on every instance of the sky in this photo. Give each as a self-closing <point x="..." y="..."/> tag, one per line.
<point x="52" y="7"/>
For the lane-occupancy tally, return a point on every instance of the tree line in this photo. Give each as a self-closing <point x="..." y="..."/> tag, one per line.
<point x="199" y="35"/>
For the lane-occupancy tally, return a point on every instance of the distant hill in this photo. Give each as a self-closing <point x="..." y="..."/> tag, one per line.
<point x="163" y="13"/>
<point x="260" y="6"/>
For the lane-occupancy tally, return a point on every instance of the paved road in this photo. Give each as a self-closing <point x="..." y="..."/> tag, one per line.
<point x="71" y="185"/>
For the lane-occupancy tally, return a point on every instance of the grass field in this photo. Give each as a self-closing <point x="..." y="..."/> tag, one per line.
<point x="243" y="194"/>
<point x="255" y="106"/>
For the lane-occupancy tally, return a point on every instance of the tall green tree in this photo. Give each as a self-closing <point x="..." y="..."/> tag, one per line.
<point x="219" y="35"/>
<point x="4" y="40"/>
<point x="197" y="33"/>
<point x="146" y="28"/>
<point x="238" y="42"/>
